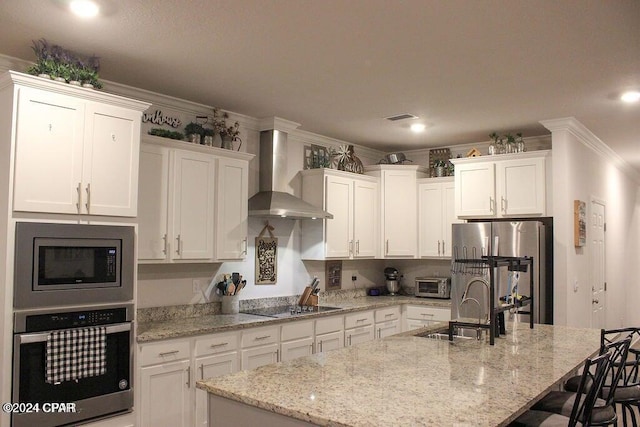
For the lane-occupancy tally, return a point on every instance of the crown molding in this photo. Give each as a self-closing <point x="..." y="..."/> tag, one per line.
<point x="591" y="141"/>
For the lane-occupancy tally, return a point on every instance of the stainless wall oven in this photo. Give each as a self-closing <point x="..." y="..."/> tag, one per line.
<point x="72" y="264"/>
<point x="93" y="396"/>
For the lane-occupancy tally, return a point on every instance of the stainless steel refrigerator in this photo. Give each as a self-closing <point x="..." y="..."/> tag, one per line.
<point x="502" y="238"/>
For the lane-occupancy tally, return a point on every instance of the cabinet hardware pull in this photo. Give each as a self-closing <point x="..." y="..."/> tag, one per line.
<point x="438" y="247"/>
<point x="245" y="246"/>
<point x="443" y="251"/>
<point x="202" y="371"/>
<point x="311" y="348"/>
<point x="277" y="355"/>
<point x="361" y="320"/>
<point x="357" y="247"/>
<point x="379" y="333"/>
<point x="491" y="204"/>
<point x="113" y="137"/>
<point x="168" y="353"/>
<point x="428" y="314"/>
<point x="264" y="337"/>
<point x="50" y="127"/>
<point x="88" y="204"/>
<point x="502" y="204"/>
<point x="349" y="339"/>
<point x="178" y="248"/>
<point x="320" y="345"/>
<point x="79" y="189"/>
<point x="350" y="247"/>
<point x="164" y="248"/>
<point x="219" y="345"/>
<point x="388" y="314"/>
<point x="188" y="376"/>
<point x="387" y="247"/>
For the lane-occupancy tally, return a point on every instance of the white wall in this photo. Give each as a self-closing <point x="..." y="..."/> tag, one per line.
<point x="585" y="168"/>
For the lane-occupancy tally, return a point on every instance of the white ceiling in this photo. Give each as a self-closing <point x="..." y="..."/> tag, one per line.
<point x="338" y="67"/>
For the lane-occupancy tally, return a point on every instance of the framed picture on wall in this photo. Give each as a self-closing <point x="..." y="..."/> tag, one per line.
<point x="579" y="223"/>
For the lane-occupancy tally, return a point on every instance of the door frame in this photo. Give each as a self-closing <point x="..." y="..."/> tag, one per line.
<point x="596" y="200"/>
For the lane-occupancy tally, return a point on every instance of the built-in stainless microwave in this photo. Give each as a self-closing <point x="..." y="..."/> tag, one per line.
<point x="433" y="287"/>
<point x="72" y="264"/>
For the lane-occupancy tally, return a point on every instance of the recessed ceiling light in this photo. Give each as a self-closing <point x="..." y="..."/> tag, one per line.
<point x="84" y="8"/>
<point x="631" y="96"/>
<point x="418" y="127"/>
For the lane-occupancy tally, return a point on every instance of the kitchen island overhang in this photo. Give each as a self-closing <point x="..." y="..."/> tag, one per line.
<point x="407" y="380"/>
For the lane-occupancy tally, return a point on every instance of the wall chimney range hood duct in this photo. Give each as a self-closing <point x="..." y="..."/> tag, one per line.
<point x="272" y="199"/>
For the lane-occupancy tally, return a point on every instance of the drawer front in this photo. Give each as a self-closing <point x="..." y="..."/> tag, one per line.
<point x="296" y="330"/>
<point x="387" y="314"/>
<point x="162" y="352"/>
<point x="330" y="324"/>
<point x="217" y="343"/>
<point x="428" y="313"/>
<point x="358" y="335"/>
<point x="260" y="336"/>
<point x="356" y="320"/>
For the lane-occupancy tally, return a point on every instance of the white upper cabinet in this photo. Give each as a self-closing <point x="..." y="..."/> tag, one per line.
<point x="436" y="213"/>
<point x="353" y="201"/>
<point x="231" y="209"/>
<point x="192" y="203"/>
<point x="76" y="150"/>
<point x="398" y="190"/>
<point x="503" y="186"/>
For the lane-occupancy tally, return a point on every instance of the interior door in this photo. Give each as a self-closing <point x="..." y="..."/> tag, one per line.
<point x="596" y="248"/>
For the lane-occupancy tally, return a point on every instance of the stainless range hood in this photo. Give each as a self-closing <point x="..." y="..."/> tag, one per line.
<point x="272" y="199"/>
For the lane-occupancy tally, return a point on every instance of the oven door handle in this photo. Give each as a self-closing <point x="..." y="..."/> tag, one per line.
<point x="43" y="336"/>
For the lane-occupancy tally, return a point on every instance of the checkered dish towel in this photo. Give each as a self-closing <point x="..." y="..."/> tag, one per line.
<point x="76" y="353"/>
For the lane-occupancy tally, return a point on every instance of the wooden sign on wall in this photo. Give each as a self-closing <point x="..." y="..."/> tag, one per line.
<point x="579" y="223"/>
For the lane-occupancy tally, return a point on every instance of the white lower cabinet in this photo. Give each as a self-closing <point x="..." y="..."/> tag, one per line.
<point x="296" y="340"/>
<point x="387" y="321"/>
<point x="215" y="355"/>
<point x="260" y="346"/>
<point x="329" y="334"/>
<point x="164" y="397"/>
<point x="358" y="327"/>
<point x="419" y="316"/>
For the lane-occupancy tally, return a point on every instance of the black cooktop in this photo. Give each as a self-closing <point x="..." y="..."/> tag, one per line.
<point x="281" y="311"/>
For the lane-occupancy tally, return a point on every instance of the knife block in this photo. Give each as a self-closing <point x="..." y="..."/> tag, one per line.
<point x="312" y="301"/>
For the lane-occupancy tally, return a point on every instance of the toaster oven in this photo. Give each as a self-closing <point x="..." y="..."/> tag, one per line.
<point x="433" y="287"/>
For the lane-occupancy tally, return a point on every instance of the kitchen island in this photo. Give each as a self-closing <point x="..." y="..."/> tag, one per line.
<point x="406" y="380"/>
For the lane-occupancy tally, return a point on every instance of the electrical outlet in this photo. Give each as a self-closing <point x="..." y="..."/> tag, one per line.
<point x="354" y="278"/>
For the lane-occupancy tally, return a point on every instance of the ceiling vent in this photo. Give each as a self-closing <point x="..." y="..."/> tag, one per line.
<point x="402" y="116"/>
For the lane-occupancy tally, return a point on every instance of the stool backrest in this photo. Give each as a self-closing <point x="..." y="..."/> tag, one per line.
<point x="591" y="383"/>
<point x="619" y="351"/>
<point x="629" y="375"/>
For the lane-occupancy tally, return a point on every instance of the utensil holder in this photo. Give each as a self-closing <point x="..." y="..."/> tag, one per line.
<point x="230" y="304"/>
<point x="312" y="301"/>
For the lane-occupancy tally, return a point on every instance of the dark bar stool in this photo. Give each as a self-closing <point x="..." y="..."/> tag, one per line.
<point x="591" y="382"/>
<point x="627" y="393"/>
<point x="603" y="413"/>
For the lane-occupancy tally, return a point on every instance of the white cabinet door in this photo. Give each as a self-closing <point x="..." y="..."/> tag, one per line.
<point x="255" y="357"/>
<point x="359" y="335"/>
<point x="399" y="222"/>
<point x="330" y="341"/>
<point x="449" y="216"/>
<point x="211" y="367"/>
<point x="153" y="203"/>
<point x="365" y="218"/>
<point x="521" y="186"/>
<point x="297" y="348"/>
<point x="165" y="396"/>
<point x="193" y="205"/>
<point x="231" y="209"/>
<point x="436" y="213"/>
<point x="339" y="202"/>
<point x="430" y="219"/>
<point x="475" y="190"/>
<point x="387" y="328"/>
<point x="110" y="166"/>
<point x="49" y="145"/>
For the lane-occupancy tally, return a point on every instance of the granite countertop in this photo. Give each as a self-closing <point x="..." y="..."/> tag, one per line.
<point x="201" y="325"/>
<point x="410" y="380"/>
